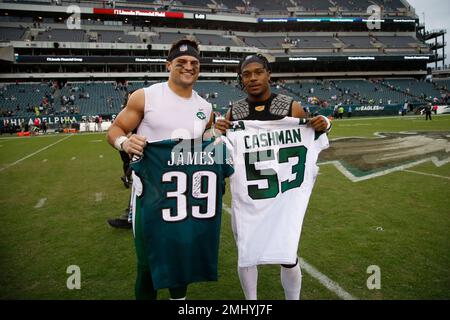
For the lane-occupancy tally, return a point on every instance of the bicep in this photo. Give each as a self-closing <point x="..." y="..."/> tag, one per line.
<point x="130" y="117"/>
<point x="297" y="110"/>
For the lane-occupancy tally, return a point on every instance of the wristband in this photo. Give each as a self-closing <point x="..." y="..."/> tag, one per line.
<point x="328" y="124"/>
<point x="213" y="132"/>
<point x="119" y="142"/>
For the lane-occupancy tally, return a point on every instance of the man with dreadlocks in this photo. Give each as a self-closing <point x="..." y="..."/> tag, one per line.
<point x="261" y="104"/>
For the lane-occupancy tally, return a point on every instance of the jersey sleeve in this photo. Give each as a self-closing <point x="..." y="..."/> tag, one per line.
<point x="136" y="166"/>
<point x="321" y="141"/>
<point x="227" y="169"/>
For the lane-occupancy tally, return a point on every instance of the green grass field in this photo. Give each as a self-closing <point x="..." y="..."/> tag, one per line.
<point x="399" y="222"/>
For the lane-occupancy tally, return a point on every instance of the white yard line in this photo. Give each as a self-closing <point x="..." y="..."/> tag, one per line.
<point x="428" y="174"/>
<point x="73" y="158"/>
<point x="98" y="196"/>
<point x="11" y="138"/>
<point x="325" y="281"/>
<point x="50" y="135"/>
<point x="32" y="154"/>
<point x="355" y="125"/>
<point x="313" y="272"/>
<point x="40" y="203"/>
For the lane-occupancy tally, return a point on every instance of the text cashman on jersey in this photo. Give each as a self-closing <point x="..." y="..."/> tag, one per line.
<point x="266" y="139"/>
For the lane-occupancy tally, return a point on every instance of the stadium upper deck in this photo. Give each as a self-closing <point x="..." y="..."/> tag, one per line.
<point x="252" y="7"/>
<point x="322" y="37"/>
<point x="249" y="7"/>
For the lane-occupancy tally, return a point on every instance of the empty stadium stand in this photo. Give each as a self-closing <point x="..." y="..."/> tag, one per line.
<point x="61" y="35"/>
<point x="358" y="42"/>
<point x="107" y="97"/>
<point x="398" y="41"/>
<point x="11" y="34"/>
<point x="319" y="73"/>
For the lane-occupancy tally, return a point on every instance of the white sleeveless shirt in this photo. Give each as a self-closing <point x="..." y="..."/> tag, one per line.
<point x="169" y="116"/>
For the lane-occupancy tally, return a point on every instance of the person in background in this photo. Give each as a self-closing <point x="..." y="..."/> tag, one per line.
<point x="341" y="112"/>
<point x="44" y="126"/>
<point x="125" y="220"/>
<point x="428" y="111"/>
<point x="435" y="109"/>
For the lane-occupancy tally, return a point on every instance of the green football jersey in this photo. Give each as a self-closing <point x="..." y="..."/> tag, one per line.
<point x="180" y="209"/>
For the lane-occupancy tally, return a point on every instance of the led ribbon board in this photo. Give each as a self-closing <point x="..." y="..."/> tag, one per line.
<point x="139" y="13"/>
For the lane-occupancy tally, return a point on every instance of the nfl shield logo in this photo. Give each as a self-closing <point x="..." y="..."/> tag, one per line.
<point x="183" y="48"/>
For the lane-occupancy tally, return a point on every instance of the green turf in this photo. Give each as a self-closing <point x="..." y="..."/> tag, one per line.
<point x="339" y="238"/>
<point x="367" y="127"/>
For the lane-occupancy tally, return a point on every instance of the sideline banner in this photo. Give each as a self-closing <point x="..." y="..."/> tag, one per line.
<point x="362" y="110"/>
<point x="54" y="120"/>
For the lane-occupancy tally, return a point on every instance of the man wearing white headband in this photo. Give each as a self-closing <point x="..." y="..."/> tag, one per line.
<point x="167" y="110"/>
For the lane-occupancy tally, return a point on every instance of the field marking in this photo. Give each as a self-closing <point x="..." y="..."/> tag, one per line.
<point x="98" y="196"/>
<point x="100" y="156"/>
<point x="34" y="153"/>
<point x="40" y="203"/>
<point x="313" y="272"/>
<point x="411" y="117"/>
<point x="353" y="178"/>
<point x="382" y="134"/>
<point x="376" y="135"/>
<point x="325" y="281"/>
<point x="95" y="141"/>
<point x="427" y="174"/>
<point x="10" y="139"/>
<point x="45" y="160"/>
<point x="50" y="135"/>
<point x="355" y="125"/>
<point x="91" y="133"/>
<point x="73" y="158"/>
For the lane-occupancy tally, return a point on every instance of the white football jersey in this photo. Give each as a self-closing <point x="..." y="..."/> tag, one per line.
<point x="275" y="170"/>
